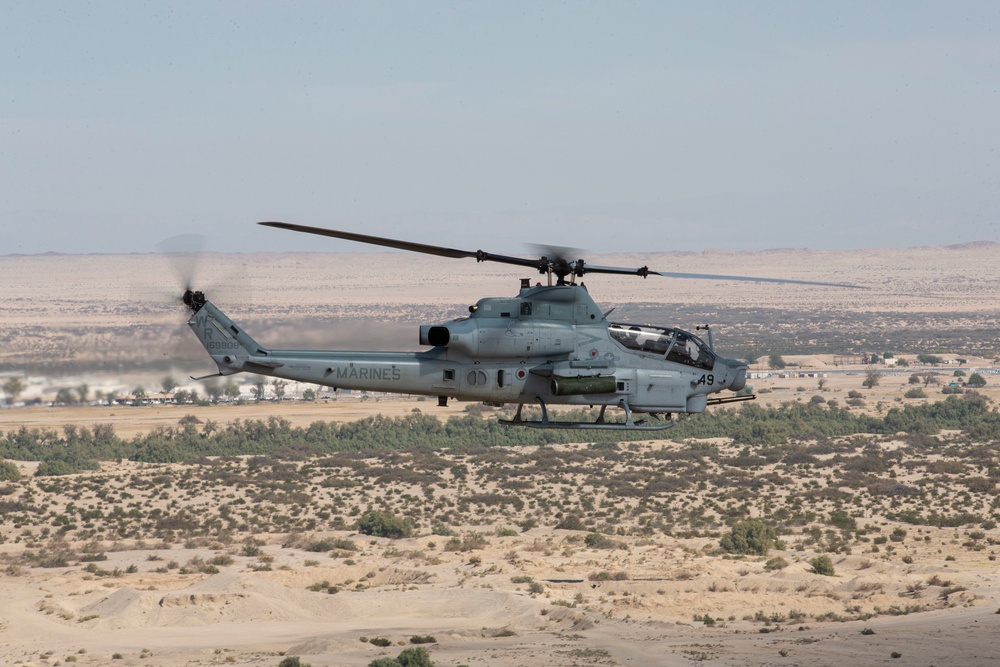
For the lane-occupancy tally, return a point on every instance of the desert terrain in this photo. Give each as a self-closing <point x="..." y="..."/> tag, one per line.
<point x="610" y="552"/>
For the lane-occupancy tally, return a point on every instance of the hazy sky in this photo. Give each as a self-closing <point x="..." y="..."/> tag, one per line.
<point x="605" y="126"/>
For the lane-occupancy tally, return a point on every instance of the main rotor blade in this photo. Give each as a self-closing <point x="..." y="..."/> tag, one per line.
<point x="440" y="251"/>
<point x="375" y="240"/>
<point x="712" y="276"/>
<point x="646" y="271"/>
<point x="556" y="263"/>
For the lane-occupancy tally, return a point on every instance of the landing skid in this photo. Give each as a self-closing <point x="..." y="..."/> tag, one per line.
<point x="598" y="425"/>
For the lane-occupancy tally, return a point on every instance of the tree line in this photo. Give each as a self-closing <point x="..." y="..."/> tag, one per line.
<point x="79" y="448"/>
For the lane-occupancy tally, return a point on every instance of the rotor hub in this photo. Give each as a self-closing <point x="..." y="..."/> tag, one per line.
<point x="194" y="300"/>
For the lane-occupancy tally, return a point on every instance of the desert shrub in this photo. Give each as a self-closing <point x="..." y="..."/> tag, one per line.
<point x="380" y="641"/>
<point x="571" y="522"/>
<point x="56" y="468"/>
<point x="319" y="546"/>
<point x="822" y="565"/>
<point x="344" y="544"/>
<point x="843" y="520"/>
<point x="916" y="392"/>
<point x="495" y="499"/>
<point x="980" y="484"/>
<point x="468" y="542"/>
<point x="599" y="541"/>
<point x="292" y="661"/>
<point x="776" y="563"/>
<point x="9" y="472"/>
<point x="408" y="657"/>
<point x="423" y="639"/>
<point x="251" y="548"/>
<point x="752" y="536"/>
<point x="93" y="558"/>
<point x="384" y="524"/>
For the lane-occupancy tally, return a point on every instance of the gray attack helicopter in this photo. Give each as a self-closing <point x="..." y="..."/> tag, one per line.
<point x="547" y="345"/>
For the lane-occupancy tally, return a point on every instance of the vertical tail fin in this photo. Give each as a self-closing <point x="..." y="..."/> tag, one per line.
<point x="231" y="348"/>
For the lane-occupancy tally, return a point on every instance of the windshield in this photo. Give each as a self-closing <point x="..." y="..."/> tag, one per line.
<point x="673" y="344"/>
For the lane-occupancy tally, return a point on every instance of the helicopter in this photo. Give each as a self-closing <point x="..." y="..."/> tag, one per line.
<point x="547" y="345"/>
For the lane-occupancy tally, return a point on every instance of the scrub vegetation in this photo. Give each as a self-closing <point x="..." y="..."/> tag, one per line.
<point x="76" y="449"/>
<point x="831" y="490"/>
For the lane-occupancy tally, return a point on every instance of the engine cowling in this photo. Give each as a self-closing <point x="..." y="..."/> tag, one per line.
<point x="501" y="339"/>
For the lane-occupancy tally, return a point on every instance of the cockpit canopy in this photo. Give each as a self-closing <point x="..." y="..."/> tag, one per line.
<point x="672" y="344"/>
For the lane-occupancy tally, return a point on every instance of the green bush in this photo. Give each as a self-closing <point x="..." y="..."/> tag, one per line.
<point x="776" y="563"/>
<point x="571" y="522"/>
<point x="843" y="520"/>
<point x="409" y="657"/>
<point x="599" y="541"/>
<point x="752" y="536"/>
<point x="9" y="472"/>
<point x="56" y="468"/>
<point x="384" y="524"/>
<point x="822" y="565"/>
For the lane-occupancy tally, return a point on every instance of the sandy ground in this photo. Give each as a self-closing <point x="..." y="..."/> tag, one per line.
<point x="130" y="421"/>
<point x="243" y="616"/>
<point x="246" y="614"/>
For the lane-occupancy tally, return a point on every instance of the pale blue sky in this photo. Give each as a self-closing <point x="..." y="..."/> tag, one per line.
<point x="639" y="126"/>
